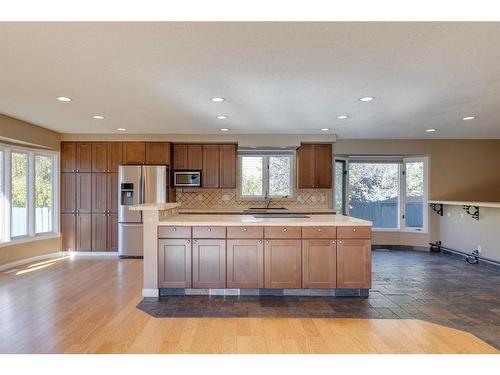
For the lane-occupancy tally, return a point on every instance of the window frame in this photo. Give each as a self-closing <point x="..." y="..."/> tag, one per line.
<point x="5" y="200"/>
<point x="401" y="227"/>
<point x="265" y="175"/>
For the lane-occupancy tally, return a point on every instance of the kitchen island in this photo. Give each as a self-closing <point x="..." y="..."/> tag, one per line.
<point x="243" y="254"/>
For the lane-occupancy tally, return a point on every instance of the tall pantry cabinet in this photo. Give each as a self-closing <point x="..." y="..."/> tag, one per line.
<point x="89" y="195"/>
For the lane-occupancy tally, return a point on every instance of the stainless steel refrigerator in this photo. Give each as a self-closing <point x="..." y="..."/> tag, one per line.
<point x="137" y="184"/>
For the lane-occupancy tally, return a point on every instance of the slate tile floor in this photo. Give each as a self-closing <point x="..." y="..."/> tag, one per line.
<point x="406" y="285"/>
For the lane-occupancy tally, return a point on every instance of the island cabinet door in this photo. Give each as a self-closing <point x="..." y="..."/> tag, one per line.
<point x="282" y="264"/>
<point x="319" y="263"/>
<point x="354" y="263"/>
<point x="209" y="263"/>
<point x="245" y="263"/>
<point x="174" y="263"/>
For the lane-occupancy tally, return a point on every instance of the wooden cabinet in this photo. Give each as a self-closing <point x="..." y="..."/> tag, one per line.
<point x="84" y="193"/>
<point x="305" y="161"/>
<point x="210" y="173"/>
<point x="194" y="156"/>
<point x="100" y="194"/>
<point x="83" y="232"/>
<point x="114" y="156"/>
<point x="68" y="157"/>
<point x="68" y="192"/>
<point x="112" y="192"/>
<point x="315" y="166"/>
<point x="68" y="232"/>
<point x="245" y="263"/>
<point x="354" y="263"/>
<point x="158" y="153"/>
<point x="187" y="156"/>
<point x="134" y="153"/>
<point x="99" y="157"/>
<point x="174" y="263"/>
<point x="282" y="264"/>
<point x="99" y="232"/>
<point x="83" y="157"/>
<point x="319" y="263"/>
<point x="209" y="263"/>
<point x="112" y="232"/>
<point x="227" y="166"/>
<point x="180" y="156"/>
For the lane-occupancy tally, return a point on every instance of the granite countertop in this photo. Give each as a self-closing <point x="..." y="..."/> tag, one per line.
<point x="249" y="220"/>
<point x="154" y="206"/>
<point x="241" y="210"/>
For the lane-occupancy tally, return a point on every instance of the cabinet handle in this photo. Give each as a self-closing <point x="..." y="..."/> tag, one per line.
<point x="285" y="229"/>
<point x="209" y="229"/>
<point x="244" y="229"/>
<point x="333" y="242"/>
<point x="174" y="229"/>
<point x="188" y="241"/>
<point x="267" y="242"/>
<point x="260" y="241"/>
<point x="319" y="229"/>
<point x="354" y="229"/>
<point x="340" y="241"/>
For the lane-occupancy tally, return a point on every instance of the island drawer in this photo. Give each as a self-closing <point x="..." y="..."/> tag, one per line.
<point x="354" y="232"/>
<point x="174" y="232"/>
<point x="245" y="232"/>
<point x="209" y="232"/>
<point x="283" y="232"/>
<point x="319" y="232"/>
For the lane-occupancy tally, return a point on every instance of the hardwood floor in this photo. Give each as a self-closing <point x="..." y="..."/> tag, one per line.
<point x="88" y="305"/>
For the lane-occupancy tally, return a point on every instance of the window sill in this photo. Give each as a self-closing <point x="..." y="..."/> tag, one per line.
<point x="45" y="236"/>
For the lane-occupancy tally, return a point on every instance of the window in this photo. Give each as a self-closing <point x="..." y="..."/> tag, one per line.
<point x="28" y="191"/>
<point x="43" y="194"/>
<point x="340" y="186"/>
<point x="19" y="194"/>
<point x="390" y="192"/>
<point x="266" y="175"/>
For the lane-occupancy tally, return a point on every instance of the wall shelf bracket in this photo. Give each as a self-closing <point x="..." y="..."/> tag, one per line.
<point x="474" y="214"/>
<point x="437" y="208"/>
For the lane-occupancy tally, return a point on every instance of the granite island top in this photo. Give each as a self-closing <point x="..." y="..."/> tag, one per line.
<point x="249" y="220"/>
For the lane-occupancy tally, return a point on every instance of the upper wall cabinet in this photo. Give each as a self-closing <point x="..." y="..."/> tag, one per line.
<point x="158" y="153"/>
<point x="315" y="164"/>
<point x="83" y="157"/>
<point x="227" y="166"/>
<point x="210" y="173"/>
<point x="100" y="157"/>
<point x="188" y="156"/>
<point x="134" y="153"/>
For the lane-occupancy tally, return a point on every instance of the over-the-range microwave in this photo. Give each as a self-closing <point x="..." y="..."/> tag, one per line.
<point x="187" y="178"/>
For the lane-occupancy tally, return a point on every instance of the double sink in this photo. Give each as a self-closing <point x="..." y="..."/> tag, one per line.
<point x="273" y="212"/>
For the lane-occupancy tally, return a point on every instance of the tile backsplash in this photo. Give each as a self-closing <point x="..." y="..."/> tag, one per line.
<point x="228" y="198"/>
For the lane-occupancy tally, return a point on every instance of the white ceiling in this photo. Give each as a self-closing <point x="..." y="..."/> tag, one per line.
<point x="277" y="77"/>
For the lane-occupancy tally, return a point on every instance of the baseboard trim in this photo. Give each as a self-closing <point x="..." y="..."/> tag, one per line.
<point x="7" y="266"/>
<point x="400" y="247"/>
<point x="150" y="292"/>
<point x="111" y="254"/>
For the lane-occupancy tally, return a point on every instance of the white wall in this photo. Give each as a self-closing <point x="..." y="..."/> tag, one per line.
<point x="458" y="230"/>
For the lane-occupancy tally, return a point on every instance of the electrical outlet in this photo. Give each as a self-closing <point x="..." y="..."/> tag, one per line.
<point x="478" y="248"/>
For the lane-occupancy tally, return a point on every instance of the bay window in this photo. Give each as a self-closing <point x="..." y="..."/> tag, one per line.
<point x="28" y="188"/>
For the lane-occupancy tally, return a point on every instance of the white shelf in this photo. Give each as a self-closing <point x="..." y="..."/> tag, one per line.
<point x="467" y="203"/>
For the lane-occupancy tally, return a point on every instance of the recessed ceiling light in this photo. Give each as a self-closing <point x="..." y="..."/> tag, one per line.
<point x="324" y="129"/>
<point x="467" y="118"/>
<point x="430" y="130"/>
<point x="64" y="99"/>
<point x="224" y="129"/>
<point x="341" y="117"/>
<point x="366" y="99"/>
<point x="222" y="117"/>
<point x="217" y="99"/>
<point x="122" y="129"/>
<point x="98" y="117"/>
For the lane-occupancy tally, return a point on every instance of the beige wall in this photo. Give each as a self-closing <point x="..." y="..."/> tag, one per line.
<point x="24" y="250"/>
<point x="26" y="134"/>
